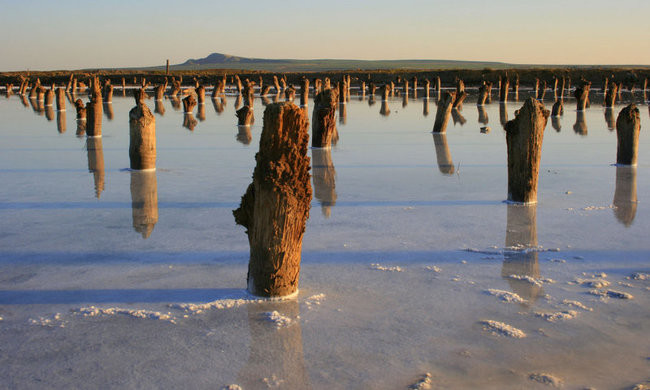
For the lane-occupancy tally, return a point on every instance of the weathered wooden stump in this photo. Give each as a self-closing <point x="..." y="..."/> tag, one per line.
<point x="324" y="119"/>
<point x="200" y="94"/>
<point x="142" y="130"/>
<point x="443" y="112"/>
<point x="60" y="99"/>
<point x="443" y="156"/>
<point x="94" y="110"/>
<point x="521" y="234"/>
<point x="482" y="94"/>
<point x="276" y="84"/>
<point x="265" y="90"/>
<point x="504" y="86"/>
<point x="558" y="108"/>
<point x="581" y="94"/>
<point x="95" y="154"/>
<point x="276" y="205"/>
<point x="290" y="94"/>
<point x="625" y="199"/>
<point x="438" y="84"/>
<point x="324" y="178"/>
<point x="612" y="93"/>
<point x="628" y="126"/>
<point x="49" y="97"/>
<point x="524" y="137"/>
<point x="372" y="89"/>
<point x="144" y="201"/>
<point x="304" y="92"/>
<point x="189" y="103"/>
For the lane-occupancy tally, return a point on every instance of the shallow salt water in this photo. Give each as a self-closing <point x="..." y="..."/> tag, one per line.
<point x="117" y="279"/>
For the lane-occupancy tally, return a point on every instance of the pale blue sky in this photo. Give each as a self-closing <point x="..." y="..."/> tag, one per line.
<point x="80" y="34"/>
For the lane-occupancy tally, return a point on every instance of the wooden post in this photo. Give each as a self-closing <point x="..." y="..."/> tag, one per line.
<point x="324" y="119"/>
<point x="167" y="68"/>
<point x="189" y="103"/>
<point x="443" y="112"/>
<point x="94" y="110"/>
<point x="612" y="93"/>
<point x="324" y="178"/>
<point x="582" y="95"/>
<point x="276" y="84"/>
<point x="49" y="97"/>
<point x="304" y="92"/>
<point x="142" y="125"/>
<point x="524" y="137"/>
<point x="558" y="108"/>
<point x="427" y="86"/>
<point x="276" y="205"/>
<point x="628" y="125"/>
<point x="290" y="94"/>
<point x="625" y="199"/>
<point x="503" y="88"/>
<point x="443" y="156"/>
<point x="108" y="93"/>
<point x="482" y="94"/>
<point x="460" y="94"/>
<point x="60" y="99"/>
<point x="516" y="87"/>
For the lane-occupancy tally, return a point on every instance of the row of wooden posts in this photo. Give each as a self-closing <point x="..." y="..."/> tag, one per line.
<point x="276" y="205"/>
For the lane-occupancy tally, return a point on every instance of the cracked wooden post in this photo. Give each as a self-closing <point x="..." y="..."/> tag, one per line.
<point x="482" y="94"/>
<point x="443" y="112"/>
<point x="304" y="92"/>
<point x="200" y="94"/>
<point x="94" y="110"/>
<point x="524" y="137"/>
<point x="628" y="126"/>
<point x="625" y="198"/>
<point x="503" y="88"/>
<point x="189" y="103"/>
<point x="323" y="125"/>
<point x="142" y="125"/>
<point x="443" y="156"/>
<point x="460" y="94"/>
<point x="276" y="205"/>
<point x="612" y="93"/>
<point x="582" y="95"/>
<point x="60" y="99"/>
<point x="324" y="178"/>
<point x="144" y="201"/>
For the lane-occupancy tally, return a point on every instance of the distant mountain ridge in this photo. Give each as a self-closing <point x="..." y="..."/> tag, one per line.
<point x="227" y="61"/>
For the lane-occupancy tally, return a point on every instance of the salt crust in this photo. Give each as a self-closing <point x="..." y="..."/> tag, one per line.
<point x="423" y="383"/>
<point x="505" y="296"/>
<point x="380" y="267"/>
<point x="545" y="379"/>
<point x="558" y="316"/>
<point x="531" y="280"/>
<point x="502" y="329"/>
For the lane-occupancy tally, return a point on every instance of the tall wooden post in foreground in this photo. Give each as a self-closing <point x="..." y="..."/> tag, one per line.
<point x="275" y="207"/>
<point x="524" y="136"/>
<point x="142" y="124"/>
<point x="628" y="126"/>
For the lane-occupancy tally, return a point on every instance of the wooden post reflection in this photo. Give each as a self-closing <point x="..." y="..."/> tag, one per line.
<point x="244" y="134"/>
<point x="519" y="260"/>
<point x="503" y="113"/>
<point x="425" y="106"/>
<point x="61" y="125"/>
<point x="482" y="115"/>
<point x="343" y="113"/>
<point x="159" y="108"/>
<point x="276" y="358"/>
<point x="385" y="109"/>
<point x="324" y="178"/>
<point x="95" y="151"/>
<point x="443" y="156"/>
<point x="610" y="119"/>
<point x="144" y="201"/>
<point x="108" y="110"/>
<point x="625" y="200"/>
<point x="580" y="127"/>
<point x="457" y="117"/>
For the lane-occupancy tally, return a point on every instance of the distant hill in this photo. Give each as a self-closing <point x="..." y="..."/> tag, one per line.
<point x="225" y="61"/>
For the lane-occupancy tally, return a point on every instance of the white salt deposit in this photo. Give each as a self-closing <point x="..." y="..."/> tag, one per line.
<point x="558" y="316"/>
<point x="639" y="276"/>
<point x="380" y="267"/>
<point x="611" y="294"/>
<point x="592" y="208"/>
<point x="93" y="311"/>
<point x="557" y="261"/>
<point x="502" y="329"/>
<point x="273" y="382"/>
<point x="505" y="296"/>
<point x="314" y="300"/>
<point x="276" y="318"/>
<point x="576" y="304"/>
<point x="545" y="379"/>
<point x="232" y="387"/>
<point x="593" y="283"/>
<point x="423" y="383"/>
<point x="196" y="308"/>
<point x="432" y="268"/>
<point x="531" y="280"/>
<point x="55" y="321"/>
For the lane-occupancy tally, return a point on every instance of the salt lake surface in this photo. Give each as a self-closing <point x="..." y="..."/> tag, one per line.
<point x="411" y="259"/>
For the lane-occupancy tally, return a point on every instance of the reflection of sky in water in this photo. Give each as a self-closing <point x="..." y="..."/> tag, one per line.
<point x="393" y="189"/>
